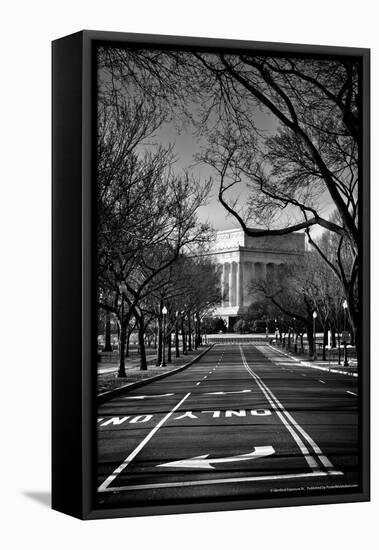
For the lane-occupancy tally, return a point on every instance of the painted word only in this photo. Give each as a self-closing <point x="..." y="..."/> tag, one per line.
<point x="142" y="418"/>
<point x="226" y="414"/>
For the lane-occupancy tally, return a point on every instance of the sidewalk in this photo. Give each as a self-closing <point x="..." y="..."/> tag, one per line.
<point x="329" y="366"/>
<point x="107" y="372"/>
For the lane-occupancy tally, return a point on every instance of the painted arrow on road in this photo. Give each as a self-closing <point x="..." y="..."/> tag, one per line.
<point x="148" y="396"/>
<point x="203" y="461"/>
<point x="225" y="392"/>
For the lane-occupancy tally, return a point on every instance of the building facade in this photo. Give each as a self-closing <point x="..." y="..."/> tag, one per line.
<point x="243" y="259"/>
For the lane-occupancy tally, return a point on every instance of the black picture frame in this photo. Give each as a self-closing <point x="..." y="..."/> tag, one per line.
<point x="74" y="378"/>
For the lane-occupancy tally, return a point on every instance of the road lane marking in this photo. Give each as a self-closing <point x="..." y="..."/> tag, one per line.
<point x="139" y="447"/>
<point x="115" y="421"/>
<point x="148" y="396"/>
<point x="323" y="459"/>
<point x="352" y="393"/>
<point x="202" y="461"/>
<point x="197" y="383"/>
<point x="214" y="481"/>
<point x="322" y="381"/>
<point x="142" y="418"/>
<point x="310" y="460"/>
<point x="187" y="414"/>
<point x="227" y="392"/>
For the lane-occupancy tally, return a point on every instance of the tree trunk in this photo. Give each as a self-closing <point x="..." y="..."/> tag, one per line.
<point x="184" y="338"/>
<point x="128" y="335"/>
<point x="177" y="354"/>
<point x="302" y="343"/>
<point x="189" y="333"/>
<point x="333" y="336"/>
<point x="159" y="346"/>
<point x="311" y="343"/>
<point x="169" y="359"/>
<point x="198" y="330"/>
<point x="141" y="343"/>
<point x="107" y="336"/>
<point x="121" y="369"/>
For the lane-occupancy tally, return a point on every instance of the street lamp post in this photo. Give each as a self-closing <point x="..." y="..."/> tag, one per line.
<point x="345" y="361"/>
<point x="176" y="334"/>
<point x="314" y="336"/>
<point x="164" y="313"/>
<point x="121" y="369"/>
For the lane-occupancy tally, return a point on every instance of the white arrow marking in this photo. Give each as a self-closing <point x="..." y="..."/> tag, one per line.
<point x="146" y="396"/>
<point x="225" y="392"/>
<point x="203" y="461"/>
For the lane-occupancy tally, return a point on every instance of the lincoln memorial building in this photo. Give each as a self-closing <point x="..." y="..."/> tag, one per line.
<point x="244" y="259"/>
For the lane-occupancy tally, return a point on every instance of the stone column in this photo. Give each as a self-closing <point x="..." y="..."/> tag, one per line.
<point x="227" y="284"/>
<point x="240" y="289"/>
<point x="230" y="283"/>
<point x="233" y="297"/>
<point x="223" y="285"/>
<point x="264" y="271"/>
<point x="247" y="277"/>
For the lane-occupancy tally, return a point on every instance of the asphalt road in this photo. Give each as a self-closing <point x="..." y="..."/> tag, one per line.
<point x="244" y="422"/>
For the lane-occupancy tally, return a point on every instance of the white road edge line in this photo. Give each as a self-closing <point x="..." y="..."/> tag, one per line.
<point x="323" y="459"/>
<point x="308" y="365"/>
<point x="103" y="487"/>
<point x="213" y="481"/>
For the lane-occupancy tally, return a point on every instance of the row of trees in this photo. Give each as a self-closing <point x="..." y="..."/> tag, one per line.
<point x="149" y="238"/>
<point x="303" y="289"/>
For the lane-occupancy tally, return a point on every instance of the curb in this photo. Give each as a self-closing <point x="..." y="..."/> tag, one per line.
<point x="307" y="364"/>
<point x="107" y="395"/>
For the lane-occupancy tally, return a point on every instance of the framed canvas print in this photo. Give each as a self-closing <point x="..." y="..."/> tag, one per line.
<point x="210" y="274"/>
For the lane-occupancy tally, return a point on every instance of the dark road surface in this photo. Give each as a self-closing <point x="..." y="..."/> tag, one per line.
<point x="244" y="422"/>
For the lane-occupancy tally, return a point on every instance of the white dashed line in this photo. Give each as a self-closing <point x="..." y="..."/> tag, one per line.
<point x="322" y="381"/>
<point x="352" y="393"/>
<point x="197" y="383"/>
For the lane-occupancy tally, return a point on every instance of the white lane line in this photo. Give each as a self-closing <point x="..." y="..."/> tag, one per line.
<point x="103" y="487"/>
<point x="310" y="460"/>
<point x="323" y="459"/>
<point x="197" y="383"/>
<point x="303" y="375"/>
<point x="352" y="393"/>
<point x="214" y="481"/>
<point x="322" y="381"/>
<point x="148" y="396"/>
